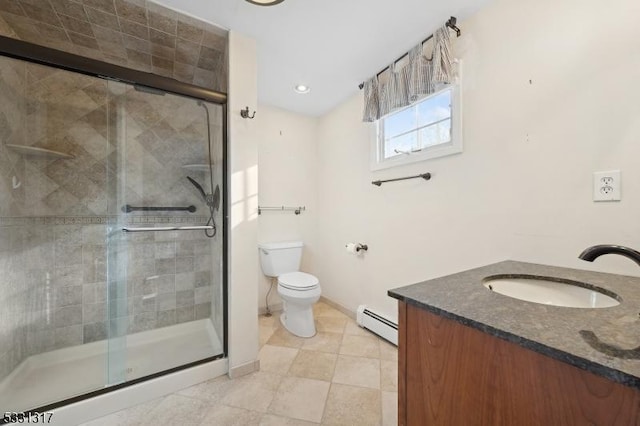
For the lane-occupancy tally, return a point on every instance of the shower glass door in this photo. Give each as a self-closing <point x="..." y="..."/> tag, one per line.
<point x="55" y="141"/>
<point x="165" y="242"/>
<point x="94" y="290"/>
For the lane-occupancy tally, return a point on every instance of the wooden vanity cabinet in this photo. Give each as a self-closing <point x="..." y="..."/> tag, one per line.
<point x="453" y="374"/>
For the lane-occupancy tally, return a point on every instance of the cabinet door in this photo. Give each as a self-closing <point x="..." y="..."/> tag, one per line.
<point x="452" y="374"/>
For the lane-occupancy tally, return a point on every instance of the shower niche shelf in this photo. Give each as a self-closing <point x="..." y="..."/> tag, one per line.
<point x="197" y="167"/>
<point x="39" y="152"/>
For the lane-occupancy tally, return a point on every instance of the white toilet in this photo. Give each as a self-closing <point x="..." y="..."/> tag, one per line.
<point x="298" y="290"/>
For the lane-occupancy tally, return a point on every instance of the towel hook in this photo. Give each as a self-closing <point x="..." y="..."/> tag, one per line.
<point x="244" y="113"/>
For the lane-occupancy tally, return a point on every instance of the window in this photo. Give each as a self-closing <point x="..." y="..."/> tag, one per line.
<point x="427" y="129"/>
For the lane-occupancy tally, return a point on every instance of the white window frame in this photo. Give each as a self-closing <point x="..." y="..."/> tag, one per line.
<point x="378" y="162"/>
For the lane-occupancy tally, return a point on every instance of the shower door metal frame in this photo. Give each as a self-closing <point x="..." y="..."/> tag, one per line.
<point x="29" y="52"/>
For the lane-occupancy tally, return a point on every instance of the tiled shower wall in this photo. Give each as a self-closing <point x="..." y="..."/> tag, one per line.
<point x="55" y="213"/>
<point x="54" y="289"/>
<point x="137" y="34"/>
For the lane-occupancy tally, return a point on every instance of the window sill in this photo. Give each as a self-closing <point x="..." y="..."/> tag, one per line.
<point x="427" y="154"/>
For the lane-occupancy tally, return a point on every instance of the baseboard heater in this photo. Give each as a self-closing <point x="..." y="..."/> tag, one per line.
<point x="378" y="324"/>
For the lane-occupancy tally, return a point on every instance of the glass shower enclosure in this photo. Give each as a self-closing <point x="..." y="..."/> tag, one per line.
<point x="112" y="234"/>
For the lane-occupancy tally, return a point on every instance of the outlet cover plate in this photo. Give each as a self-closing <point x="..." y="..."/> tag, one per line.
<point x="606" y="186"/>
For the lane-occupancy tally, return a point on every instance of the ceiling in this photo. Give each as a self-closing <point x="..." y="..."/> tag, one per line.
<point x="329" y="45"/>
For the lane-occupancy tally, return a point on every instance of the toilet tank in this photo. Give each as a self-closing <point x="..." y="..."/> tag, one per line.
<point x="279" y="258"/>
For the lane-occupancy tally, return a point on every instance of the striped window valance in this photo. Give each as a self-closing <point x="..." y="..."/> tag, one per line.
<point x="405" y="83"/>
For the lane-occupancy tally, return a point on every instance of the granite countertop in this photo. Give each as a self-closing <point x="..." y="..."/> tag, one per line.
<point x="551" y="330"/>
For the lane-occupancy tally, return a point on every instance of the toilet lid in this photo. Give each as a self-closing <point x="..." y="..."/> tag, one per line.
<point x="298" y="280"/>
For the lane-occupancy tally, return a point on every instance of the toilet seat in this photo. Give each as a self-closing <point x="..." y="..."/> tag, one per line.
<point x="299" y="281"/>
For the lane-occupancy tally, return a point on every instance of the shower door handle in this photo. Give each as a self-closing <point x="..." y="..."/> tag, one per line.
<point x="169" y="228"/>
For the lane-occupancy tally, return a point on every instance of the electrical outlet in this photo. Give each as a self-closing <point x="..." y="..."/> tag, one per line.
<point x="606" y="186"/>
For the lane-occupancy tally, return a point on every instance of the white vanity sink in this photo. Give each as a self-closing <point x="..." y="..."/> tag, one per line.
<point x="551" y="291"/>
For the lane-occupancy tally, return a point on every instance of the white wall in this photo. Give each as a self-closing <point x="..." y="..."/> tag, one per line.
<point x="243" y="222"/>
<point x="522" y="187"/>
<point x="288" y="176"/>
<point x="581" y="112"/>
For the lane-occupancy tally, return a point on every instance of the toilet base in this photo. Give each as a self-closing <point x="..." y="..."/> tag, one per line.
<point x="298" y="321"/>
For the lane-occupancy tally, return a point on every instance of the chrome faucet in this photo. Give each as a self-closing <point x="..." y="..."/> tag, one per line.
<point x="592" y="253"/>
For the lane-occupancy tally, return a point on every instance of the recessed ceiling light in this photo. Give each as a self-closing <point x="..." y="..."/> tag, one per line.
<point x="302" y="88"/>
<point x="265" y="2"/>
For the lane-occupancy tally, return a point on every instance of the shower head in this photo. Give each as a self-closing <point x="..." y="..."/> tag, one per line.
<point x="212" y="200"/>
<point x="198" y="187"/>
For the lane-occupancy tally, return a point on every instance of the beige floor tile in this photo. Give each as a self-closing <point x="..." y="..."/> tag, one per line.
<point x="253" y="392"/>
<point x="300" y="398"/>
<point x="313" y="365"/>
<point x="389" y="375"/>
<point x="363" y="389"/>
<point x="281" y="337"/>
<point x="324" y="342"/>
<point x="321" y="309"/>
<point x="357" y="371"/>
<point x="211" y="390"/>
<point x="129" y="417"/>
<point x="366" y="346"/>
<point x="389" y="408"/>
<point x="273" y="321"/>
<point x="354" y="329"/>
<point x="273" y="420"/>
<point x="351" y="405"/>
<point x="223" y="415"/>
<point x="331" y="324"/>
<point x="276" y="359"/>
<point x="177" y="409"/>
<point x="265" y="333"/>
<point x="388" y="351"/>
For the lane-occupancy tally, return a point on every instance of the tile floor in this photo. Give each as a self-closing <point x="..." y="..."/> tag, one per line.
<point x="344" y="375"/>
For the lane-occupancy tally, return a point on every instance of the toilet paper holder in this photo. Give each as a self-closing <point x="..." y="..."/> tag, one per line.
<point x="358" y="247"/>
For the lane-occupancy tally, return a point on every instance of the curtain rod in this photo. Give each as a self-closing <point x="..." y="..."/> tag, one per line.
<point x="451" y="23"/>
